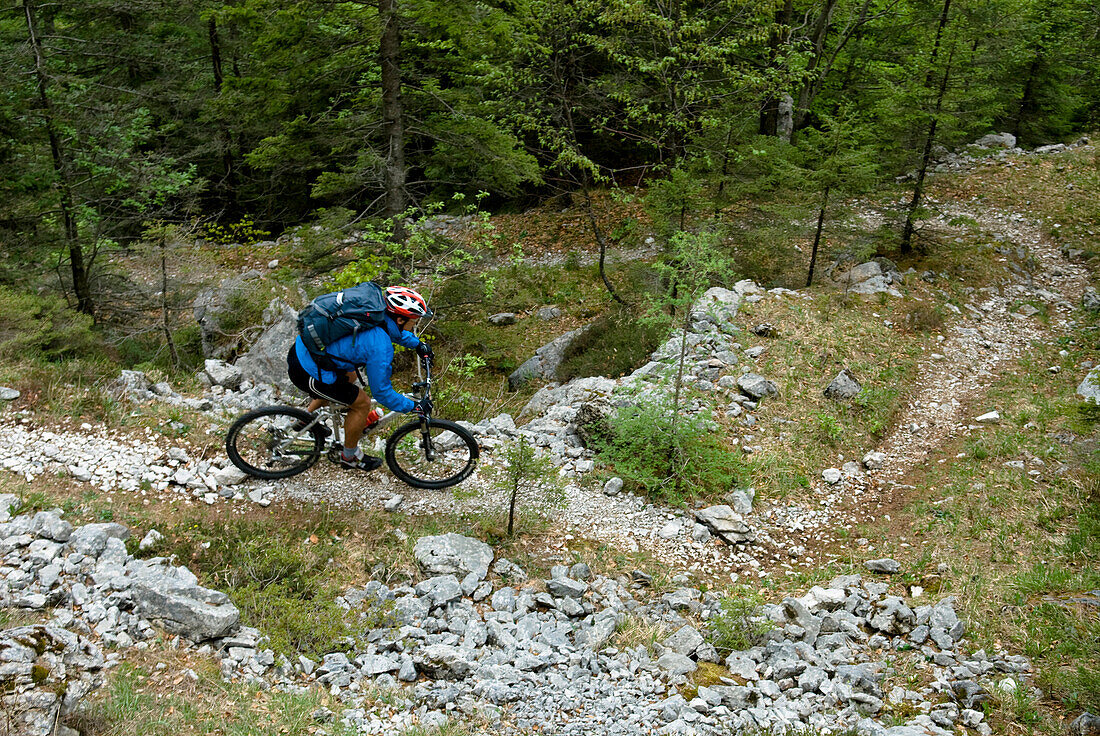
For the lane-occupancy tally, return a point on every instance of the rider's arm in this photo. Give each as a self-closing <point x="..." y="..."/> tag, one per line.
<point x="378" y="365"/>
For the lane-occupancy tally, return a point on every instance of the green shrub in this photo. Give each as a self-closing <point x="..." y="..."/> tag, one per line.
<point x="1089" y="411"/>
<point x="318" y="245"/>
<point x="828" y="429"/>
<point x="281" y="582"/>
<point x="613" y="345"/>
<point x="738" y="626"/>
<point x="529" y="479"/>
<point x="454" y="389"/>
<point x="243" y="232"/>
<point x="924" y="318"/>
<point x="44" y="326"/>
<point x="669" y="457"/>
<point x="150" y="349"/>
<point x="244" y="308"/>
<point x="312" y="625"/>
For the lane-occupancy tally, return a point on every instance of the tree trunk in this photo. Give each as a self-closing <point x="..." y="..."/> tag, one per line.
<point x="392" y="116"/>
<point x="812" y="83"/>
<point x="81" y="287"/>
<point x="926" y="156"/>
<point x="817" y="235"/>
<point x="166" y="324"/>
<point x="512" y="507"/>
<point x="602" y="240"/>
<point x="673" y="460"/>
<point x="1028" y="95"/>
<point x="225" y="143"/>
<point x="780" y="35"/>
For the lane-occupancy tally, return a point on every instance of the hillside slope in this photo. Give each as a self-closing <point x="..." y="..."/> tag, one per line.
<point x="966" y="466"/>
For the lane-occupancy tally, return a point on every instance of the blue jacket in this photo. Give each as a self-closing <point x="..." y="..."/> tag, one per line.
<point x="370" y="350"/>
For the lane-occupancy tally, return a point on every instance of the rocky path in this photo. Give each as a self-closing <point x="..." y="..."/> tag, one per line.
<point x="996" y="327"/>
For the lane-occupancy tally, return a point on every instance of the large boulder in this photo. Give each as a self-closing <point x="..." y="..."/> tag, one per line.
<point x="1090" y="300"/>
<point x="867" y="278"/>
<point x="45" y="671"/>
<point x="265" y="362"/>
<point x="593" y="421"/>
<point x="172" y="597"/>
<point x="453" y="554"/>
<point x="844" y="387"/>
<point x="996" y="140"/>
<point x="223" y="374"/>
<point x="574" y="393"/>
<point x="544" y="363"/>
<point x="91" y="539"/>
<point x="719" y="306"/>
<point x="443" y="661"/>
<point x="213" y="304"/>
<point x="725" y="523"/>
<point x="1089" y="389"/>
<point x="133" y="384"/>
<point x="756" y="386"/>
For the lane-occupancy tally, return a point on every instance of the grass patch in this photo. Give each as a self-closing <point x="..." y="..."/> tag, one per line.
<point x="139" y="699"/>
<point x="615" y="344"/>
<point x="635" y="631"/>
<point x="281" y="581"/>
<point x="738" y="626"/>
<point x="803" y="431"/>
<point x="134" y="704"/>
<point x="671" y="458"/>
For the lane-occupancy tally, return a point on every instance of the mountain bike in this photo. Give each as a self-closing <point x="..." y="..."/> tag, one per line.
<point x="280" y="441"/>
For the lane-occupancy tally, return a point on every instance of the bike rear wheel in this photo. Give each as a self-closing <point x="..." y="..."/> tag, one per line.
<point x="267" y="443"/>
<point x="432" y="454"/>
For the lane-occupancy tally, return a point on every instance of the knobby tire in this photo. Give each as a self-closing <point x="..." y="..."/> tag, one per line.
<point x="262" y="444"/>
<point x="457" y="454"/>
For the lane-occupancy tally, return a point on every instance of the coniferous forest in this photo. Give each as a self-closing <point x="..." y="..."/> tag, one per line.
<point x="263" y="114"/>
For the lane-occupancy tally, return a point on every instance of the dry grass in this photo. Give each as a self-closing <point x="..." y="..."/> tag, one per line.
<point x="801" y="429"/>
<point x="634" y="631"/>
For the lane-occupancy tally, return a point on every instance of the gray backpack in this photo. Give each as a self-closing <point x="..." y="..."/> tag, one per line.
<point x="330" y="317"/>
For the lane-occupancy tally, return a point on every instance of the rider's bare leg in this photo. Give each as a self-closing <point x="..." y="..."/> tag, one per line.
<point x="356" y="420"/>
<point x="317" y="404"/>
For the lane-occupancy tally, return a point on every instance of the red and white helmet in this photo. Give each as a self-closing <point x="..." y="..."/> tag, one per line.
<point x="405" y="302"/>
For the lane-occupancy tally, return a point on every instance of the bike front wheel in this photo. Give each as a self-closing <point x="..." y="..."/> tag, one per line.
<point x="270" y="443"/>
<point x="432" y="453"/>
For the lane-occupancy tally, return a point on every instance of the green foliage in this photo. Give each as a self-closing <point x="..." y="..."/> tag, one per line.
<point x="529" y="479"/>
<point x="244" y="309"/>
<point x="924" y="318"/>
<point x="387" y="257"/>
<point x="143" y="701"/>
<point x="33" y="325"/>
<point x="667" y="455"/>
<point x="829" y="429"/>
<point x="282" y="583"/>
<point x="316" y="245"/>
<point x="1089" y="411"/>
<point x="453" y="388"/>
<point x="613" y="345"/>
<point x="242" y="232"/>
<point x="738" y="625"/>
<point x="313" y="625"/>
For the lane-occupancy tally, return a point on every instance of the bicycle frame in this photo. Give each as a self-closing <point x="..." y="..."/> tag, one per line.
<point x="334" y="414"/>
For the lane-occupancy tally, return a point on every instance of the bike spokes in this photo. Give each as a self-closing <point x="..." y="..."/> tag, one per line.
<point x="432" y="453"/>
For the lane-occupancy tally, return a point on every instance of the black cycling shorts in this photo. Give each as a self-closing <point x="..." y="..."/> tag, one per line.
<point x="342" y="391"/>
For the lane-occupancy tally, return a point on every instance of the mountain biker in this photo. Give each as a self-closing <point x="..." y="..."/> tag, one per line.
<point x="371" y="351"/>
